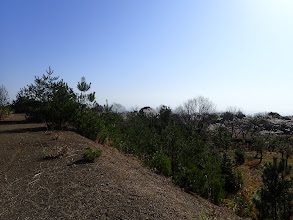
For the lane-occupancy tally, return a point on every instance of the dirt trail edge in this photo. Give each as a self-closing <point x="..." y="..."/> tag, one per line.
<point x="40" y="178"/>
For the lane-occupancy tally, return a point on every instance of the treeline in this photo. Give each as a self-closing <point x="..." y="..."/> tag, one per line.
<point x="179" y="144"/>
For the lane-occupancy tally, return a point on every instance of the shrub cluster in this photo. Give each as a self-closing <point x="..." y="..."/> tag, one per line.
<point x="162" y="164"/>
<point x="239" y="156"/>
<point x="4" y="111"/>
<point x="89" y="155"/>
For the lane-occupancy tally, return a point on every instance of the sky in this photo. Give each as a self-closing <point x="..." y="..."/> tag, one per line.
<point x="151" y="52"/>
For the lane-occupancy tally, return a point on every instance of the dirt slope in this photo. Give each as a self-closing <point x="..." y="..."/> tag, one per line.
<point x="114" y="187"/>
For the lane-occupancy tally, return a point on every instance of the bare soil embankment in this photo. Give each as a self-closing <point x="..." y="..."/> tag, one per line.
<point x="116" y="186"/>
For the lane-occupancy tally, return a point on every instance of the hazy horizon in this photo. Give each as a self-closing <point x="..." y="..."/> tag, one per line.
<point x="149" y="53"/>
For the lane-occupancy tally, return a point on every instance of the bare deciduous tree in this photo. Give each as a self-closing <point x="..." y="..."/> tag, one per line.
<point x="205" y="106"/>
<point x="190" y="107"/>
<point x="4" y="98"/>
<point x="195" y="106"/>
<point x="118" y="108"/>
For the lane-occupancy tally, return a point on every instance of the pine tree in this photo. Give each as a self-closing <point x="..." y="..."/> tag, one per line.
<point x="275" y="197"/>
<point x="86" y="102"/>
<point x="259" y="144"/>
<point x="48" y="99"/>
<point x="83" y="87"/>
<point x="233" y="179"/>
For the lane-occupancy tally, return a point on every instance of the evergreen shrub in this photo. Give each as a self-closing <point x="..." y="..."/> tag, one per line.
<point x="162" y="164"/>
<point x="89" y="155"/>
<point x="239" y="156"/>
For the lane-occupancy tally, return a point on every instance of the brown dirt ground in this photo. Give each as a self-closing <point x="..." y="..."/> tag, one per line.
<point x="116" y="186"/>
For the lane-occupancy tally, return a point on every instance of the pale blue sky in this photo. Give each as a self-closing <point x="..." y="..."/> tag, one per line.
<point x="152" y="52"/>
